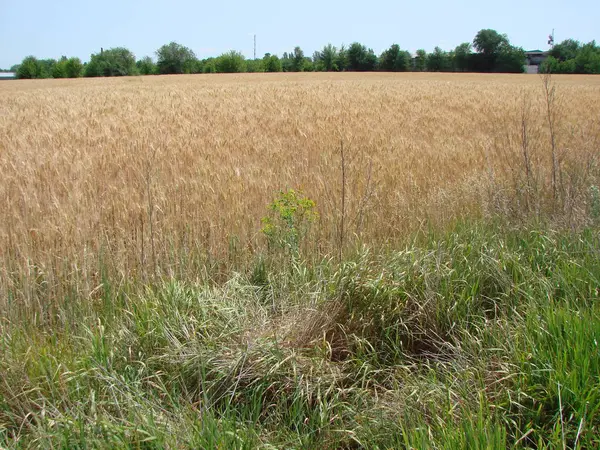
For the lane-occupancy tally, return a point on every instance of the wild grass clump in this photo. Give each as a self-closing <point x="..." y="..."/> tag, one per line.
<point x="482" y="337"/>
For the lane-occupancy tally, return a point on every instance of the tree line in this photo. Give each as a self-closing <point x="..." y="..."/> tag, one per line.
<point x="571" y="56"/>
<point x="490" y="51"/>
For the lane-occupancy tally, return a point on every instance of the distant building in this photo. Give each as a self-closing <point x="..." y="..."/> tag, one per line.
<point x="534" y="59"/>
<point x="7" y="75"/>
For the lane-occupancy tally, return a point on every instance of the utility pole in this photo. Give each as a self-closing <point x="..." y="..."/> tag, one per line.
<point x="551" y="39"/>
<point x="254" y="46"/>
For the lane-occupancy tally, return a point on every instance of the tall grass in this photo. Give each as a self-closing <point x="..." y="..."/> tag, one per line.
<point x="445" y="296"/>
<point x="476" y="338"/>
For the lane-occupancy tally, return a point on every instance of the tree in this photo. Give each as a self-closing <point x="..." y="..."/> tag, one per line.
<point x="271" y="63"/>
<point x="74" y="68"/>
<point x="59" y="69"/>
<point x="175" y="58"/>
<point x="421" y="60"/>
<point x="510" y="60"/>
<point x="29" y="68"/>
<point x="462" y="54"/>
<point x="46" y="67"/>
<point x="394" y="59"/>
<point x="360" y="58"/>
<point x="146" y="66"/>
<point x="489" y="44"/>
<point x="114" y="62"/>
<point x="438" y="61"/>
<point x="309" y="65"/>
<point x="326" y="58"/>
<point x="254" y="66"/>
<point x="341" y="59"/>
<point x="231" y="62"/>
<point x="209" y="65"/>
<point x="567" y="49"/>
<point x="588" y="59"/>
<point x="297" y="60"/>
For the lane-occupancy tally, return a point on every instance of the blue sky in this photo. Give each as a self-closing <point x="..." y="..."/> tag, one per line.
<point x="49" y="29"/>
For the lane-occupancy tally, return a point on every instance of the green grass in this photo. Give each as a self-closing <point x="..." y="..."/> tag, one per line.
<point x="482" y="337"/>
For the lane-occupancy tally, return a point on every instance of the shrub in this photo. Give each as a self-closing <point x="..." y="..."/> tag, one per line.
<point x="231" y="62"/>
<point x="175" y="58"/>
<point x="114" y="62"/>
<point x="146" y="66"/>
<point x="30" y="68"/>
<point x="74" y="68"/>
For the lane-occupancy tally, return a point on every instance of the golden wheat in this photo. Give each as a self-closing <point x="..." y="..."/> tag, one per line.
<point x="166" y="174"/>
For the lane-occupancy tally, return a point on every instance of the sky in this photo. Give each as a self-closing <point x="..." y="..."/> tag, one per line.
<point x="49" y="29"/>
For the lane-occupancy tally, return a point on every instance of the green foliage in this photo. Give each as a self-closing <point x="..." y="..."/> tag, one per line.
<point x="567" y="49"/>
<point x="439" y="61"/>
<point x="114" y="62"/>
<point x="146" y="66"/>
<point x="327" y="59"/>
<point x="490" y="42"/>
<point x="495" y="54"/>
<point x="209" y="65"/>
<point x="74" y="68"/>
<point x="289" y="220"/>
<point x="394" y="60"/>
<point x="511" y="60"/>
<point x="341" y="59"/>
<point x="476" y="338"/>
<point x="29" y="68"/>
<point x="308" y="65"/>
<point x="360" y="58"/>
<point x="59" y="70"/>
<point x="571" y="57"/>
<point x="298" y="60"/>
<point x="174" y="58"/>
<point x="294" y="61"/>
<point x="271" y="63"/>
<point x="462" y="54"/>
<point x="588" y="59"/>
<point x="421" y="60"/>
<point x="231" y="62"/>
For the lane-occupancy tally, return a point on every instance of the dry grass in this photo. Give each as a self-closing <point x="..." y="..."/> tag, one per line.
<point x="166" y="174"/>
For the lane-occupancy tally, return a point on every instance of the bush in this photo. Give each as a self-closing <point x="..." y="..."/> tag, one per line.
<point x="272" y="63"/>
<point x="114" y="62"/>
<point x="175" y="58"/>
<point x="30" y="68"/>
<point x="360" y="58"/>
<point x="231" y="62"/>
<point x="59" y="70"/>
<point x="209" y="65"/>
<point x="394" y="60"/>
<point x="74" y="68"/>
<point x="146" y="66"/>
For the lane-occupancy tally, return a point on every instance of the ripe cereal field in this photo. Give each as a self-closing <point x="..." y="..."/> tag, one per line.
<point x="159" y="172"/>
<point x="187" y="164"/>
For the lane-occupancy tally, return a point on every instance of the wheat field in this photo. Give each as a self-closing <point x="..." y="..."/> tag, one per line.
<point x="164" y="175"/>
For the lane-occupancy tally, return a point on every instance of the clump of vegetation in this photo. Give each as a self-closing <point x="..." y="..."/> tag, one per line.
<point x="290" y="216"/>
<point x="409" y="349"/>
